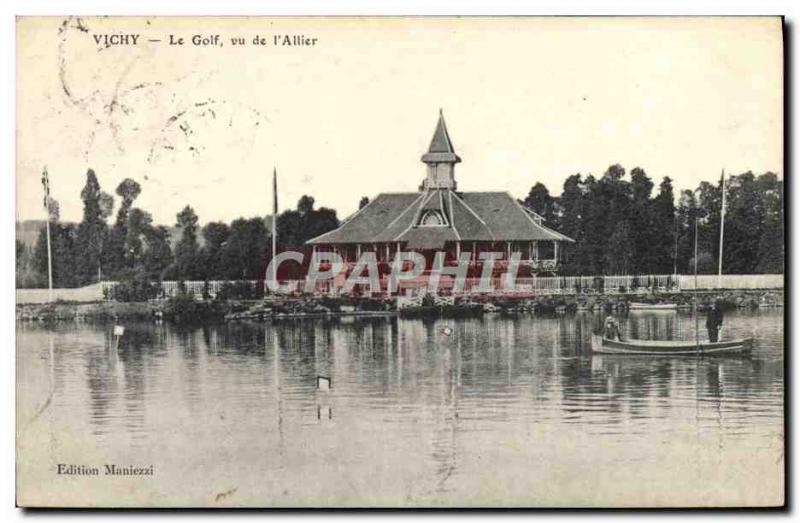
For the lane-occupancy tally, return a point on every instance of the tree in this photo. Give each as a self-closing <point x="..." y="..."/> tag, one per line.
<point x="305" y="204"/>
<point x="128" y="190"/>
<point x="139" y="224"/>
<point x="643" y="236"/>
<point x="595" y="224"/>
<point x="157" y="257"/>
<point x="187" y="264"/>
<point x="663" y="227"/>
<point x="66" y="261"/>
<point x="771" y="245"/>
<point x="619" y="255"/>
<point x="106" y="205"/>
<point x="246" y="249"/>
<point x="540" y="202"/>
<point x="297" y="226"/>
<point x="67" y="258"/>
<point x="318" y="222"/>
<point x="19" y="252"/>
<point x="687" y="212"/>
<point x="290" y="225"/>
<point x="571" y="222"/>
<point x="215" y="235"/>
<point x="92" y="230"/>
<point x="745" y="217"/>
<point x="26" y="274"/>
<point x="709" y="203"/>
<point x="53" y="210"/>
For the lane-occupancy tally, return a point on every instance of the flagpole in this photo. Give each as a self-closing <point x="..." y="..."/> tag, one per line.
<point x="49" y="262"/>
<point x="46" y="184"/>
<point x="274" y="274"/>
<point x="675" y="254"/>
<point x="721" y="231"/>
<point x="696" y="311"/>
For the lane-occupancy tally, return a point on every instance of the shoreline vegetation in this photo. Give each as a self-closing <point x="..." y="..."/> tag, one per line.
<point x="187" y="310"/>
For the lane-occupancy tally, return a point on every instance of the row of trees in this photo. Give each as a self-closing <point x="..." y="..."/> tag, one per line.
<point x="133" y="247"/>
<point x="620" y="227"/>
<point x="240" y="251"/>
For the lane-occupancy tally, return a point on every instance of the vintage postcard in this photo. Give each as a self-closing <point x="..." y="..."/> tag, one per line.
<point x="400" y="262"/>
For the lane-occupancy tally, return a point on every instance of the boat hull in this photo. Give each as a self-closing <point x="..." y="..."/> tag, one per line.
<point x="602" y="345"/>
<point x="634" y="306"/>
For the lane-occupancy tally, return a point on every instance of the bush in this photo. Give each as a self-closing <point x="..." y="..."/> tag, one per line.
<point x="240" y="290"/>
<point x="183" y="308"/>
<point x="137" y="288"/>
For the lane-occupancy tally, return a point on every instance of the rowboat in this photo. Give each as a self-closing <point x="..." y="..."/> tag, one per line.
<point x="601" y="345"/>
<point x="636" y="306"/>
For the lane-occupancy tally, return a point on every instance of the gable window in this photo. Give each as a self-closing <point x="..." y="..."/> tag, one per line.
<point x="432" y="219"/>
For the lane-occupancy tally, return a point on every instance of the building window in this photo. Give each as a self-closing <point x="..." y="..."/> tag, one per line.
<point x="432" y="219"/>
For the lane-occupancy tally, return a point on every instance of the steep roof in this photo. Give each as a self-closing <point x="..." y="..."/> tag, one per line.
<point x="507" y="218"/>
<point x="379" y="215"/>
<point x="441" y="147"/>
<point x="472" y="216"/>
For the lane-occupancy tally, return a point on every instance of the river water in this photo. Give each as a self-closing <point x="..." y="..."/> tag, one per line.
<point x="491" y="411"/>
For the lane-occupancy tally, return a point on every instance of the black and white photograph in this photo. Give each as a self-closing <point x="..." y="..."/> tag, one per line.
<point x="400" y="262"/>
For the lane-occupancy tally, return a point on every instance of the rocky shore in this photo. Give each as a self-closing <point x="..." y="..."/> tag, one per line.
<point x="187" y="310"/>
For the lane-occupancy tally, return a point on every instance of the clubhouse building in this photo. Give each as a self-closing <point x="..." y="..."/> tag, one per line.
<point x="438" y="217"/>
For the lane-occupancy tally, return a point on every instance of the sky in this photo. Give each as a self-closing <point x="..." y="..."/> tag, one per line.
<point x="526" y="100"/>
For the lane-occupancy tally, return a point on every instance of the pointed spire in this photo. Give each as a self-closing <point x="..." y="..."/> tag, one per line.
<point x="441" y="148"/>
<point x="441" y="140"/>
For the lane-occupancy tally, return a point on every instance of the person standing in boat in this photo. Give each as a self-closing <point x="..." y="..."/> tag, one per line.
<point x="611" y="329"/>
<point x="714" y="321"/>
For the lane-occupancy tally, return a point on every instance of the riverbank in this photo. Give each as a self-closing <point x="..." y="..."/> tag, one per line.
<point x="188" y="310"/>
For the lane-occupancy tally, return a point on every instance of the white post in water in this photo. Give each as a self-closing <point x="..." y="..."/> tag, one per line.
<point x="721" y="231"/>
<point x="119" y="330"/>
<point x="46" y="185"/>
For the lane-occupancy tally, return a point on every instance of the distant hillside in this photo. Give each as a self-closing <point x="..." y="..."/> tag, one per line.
<point x="28" y="231"/>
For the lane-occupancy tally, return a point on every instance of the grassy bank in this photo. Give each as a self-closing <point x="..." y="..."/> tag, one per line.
<point x="180" y="311"/>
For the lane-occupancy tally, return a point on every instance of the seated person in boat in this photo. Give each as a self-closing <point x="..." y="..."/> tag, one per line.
<point x="714" y="321"/>
<point x="611" y="329"/>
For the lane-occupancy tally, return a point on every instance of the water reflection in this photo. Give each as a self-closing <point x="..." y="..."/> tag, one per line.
<point x="422" y="407"/>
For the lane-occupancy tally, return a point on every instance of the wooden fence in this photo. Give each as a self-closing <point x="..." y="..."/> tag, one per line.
<point x="732" y="281"/>
<point x="194" y="288"/>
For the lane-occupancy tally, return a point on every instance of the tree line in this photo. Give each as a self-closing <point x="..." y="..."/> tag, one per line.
<point x="133" y="247"/>
<point x="619" y="227"/>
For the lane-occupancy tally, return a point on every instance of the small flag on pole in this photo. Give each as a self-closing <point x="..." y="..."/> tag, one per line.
<point x="46" y="185"/>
